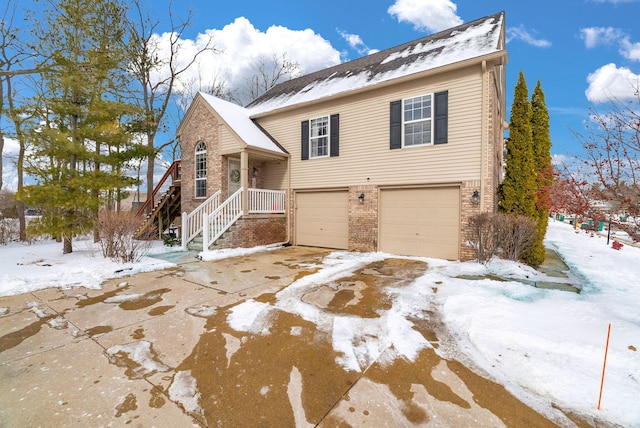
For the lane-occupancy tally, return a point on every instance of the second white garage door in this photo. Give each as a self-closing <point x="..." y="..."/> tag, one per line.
<point x="420" y="222"/>
<point x="322" y="219"/>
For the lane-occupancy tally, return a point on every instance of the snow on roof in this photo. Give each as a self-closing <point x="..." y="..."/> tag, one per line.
<point x="471" y="40"/>
<point x="238" y="119"/>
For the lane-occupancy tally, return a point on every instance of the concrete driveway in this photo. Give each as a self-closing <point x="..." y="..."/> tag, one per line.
<point x="172" y="348"/>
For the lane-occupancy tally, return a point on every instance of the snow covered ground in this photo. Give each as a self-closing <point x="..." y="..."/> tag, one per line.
<point x="552" y="343"/>
<point x="546" y="346"/>
<point x="25" y="268"/>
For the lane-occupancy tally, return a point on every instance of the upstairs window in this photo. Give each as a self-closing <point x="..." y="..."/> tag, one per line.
<point x="201" y="169"/>
<point x="419" y="120"/>
<point x="320" y="137"/>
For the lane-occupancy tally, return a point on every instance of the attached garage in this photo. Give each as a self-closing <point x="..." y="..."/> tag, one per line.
<point x="420" y="222"/>
<point x="322" y="219"/>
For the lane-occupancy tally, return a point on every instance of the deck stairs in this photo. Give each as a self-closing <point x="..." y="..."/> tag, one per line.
<point x="161" y="209"/>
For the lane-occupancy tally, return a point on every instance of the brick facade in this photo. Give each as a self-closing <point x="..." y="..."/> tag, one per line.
<point x="253" y="230"/>
<point x="363" y="218"/>
<point x="201" y="126"/>
<point x="467" y="210"/>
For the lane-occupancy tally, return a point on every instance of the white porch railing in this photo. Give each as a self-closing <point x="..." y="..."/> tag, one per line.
<point x="263" y="201"/>
<point x="193" y="222"/>
<point x="216" y="223"/>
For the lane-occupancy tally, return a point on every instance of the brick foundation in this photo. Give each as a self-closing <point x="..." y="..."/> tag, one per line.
<point x="254" y="230"/>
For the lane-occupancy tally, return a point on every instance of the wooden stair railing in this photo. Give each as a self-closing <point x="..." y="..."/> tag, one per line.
<point x="152" y="207"/>
<point x="174" y="172"/>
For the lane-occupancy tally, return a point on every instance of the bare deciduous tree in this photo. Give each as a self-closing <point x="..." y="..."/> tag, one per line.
<point x="612" y="147"/>
<point x="268" y="73"/>
<point x="570" y="192"/>
<point x="157" y="74"/>
<point x="15" y="63"/>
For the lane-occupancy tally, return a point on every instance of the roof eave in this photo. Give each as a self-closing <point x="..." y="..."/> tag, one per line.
<point x="265" y="153"/>
<point x="241" y="142"/>
<point x="499" y="56"/>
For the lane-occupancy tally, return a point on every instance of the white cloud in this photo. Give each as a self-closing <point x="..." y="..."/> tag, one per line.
<point x="426" y="15"/>
<point x="611" y="81"/>
<point x="9" y="172"/>
<point x="239" y="46"/>
<point x="596" y="36"/>
<point x="11" y="147"/>
<point x="630" y="50"/>
<point x="521" y="33"/>
<point x="559" y="160"/>
<point x="355" y="42"/>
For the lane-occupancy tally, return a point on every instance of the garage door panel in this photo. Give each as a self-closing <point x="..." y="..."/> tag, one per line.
<point x="322" y="219"/>
<point x="420" y="222"/>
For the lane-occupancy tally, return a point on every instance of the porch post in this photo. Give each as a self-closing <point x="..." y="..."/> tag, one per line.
<point x="183" y="231"/>
<point x="244" y="180"/>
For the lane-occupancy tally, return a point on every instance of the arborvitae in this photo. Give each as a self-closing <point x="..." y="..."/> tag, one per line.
<point x="517" y="191"/>
<point x="544" y="177"/>
<point x="81" y="149"/>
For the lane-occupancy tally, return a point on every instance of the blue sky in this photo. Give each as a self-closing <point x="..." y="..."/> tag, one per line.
<point x="562" y="43"/>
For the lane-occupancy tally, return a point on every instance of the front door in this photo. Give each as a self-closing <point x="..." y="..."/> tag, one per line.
<point x="234" y="175"/>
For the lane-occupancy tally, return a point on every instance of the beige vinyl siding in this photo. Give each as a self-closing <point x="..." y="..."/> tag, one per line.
<point x="275" y="175"/>
<point x="228" y="142"/>
<point x="364" y="137"/>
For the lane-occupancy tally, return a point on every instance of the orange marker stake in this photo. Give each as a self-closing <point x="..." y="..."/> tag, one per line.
<point x="606" y="350"/>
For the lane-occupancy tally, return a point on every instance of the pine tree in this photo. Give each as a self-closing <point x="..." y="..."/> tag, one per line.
<point x="82" y="147"/>
<point x="544" y="170"/>
<point x="516" y="193"/>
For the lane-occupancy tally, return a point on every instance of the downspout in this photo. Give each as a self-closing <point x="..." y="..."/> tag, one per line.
<point x="290" y="197"/>
<point x="484" y="137"/>
<point x="244" y="180"/>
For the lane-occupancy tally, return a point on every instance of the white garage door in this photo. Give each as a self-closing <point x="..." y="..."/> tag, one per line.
<point x="322" y="219"/>
<point x="420" y="222"/>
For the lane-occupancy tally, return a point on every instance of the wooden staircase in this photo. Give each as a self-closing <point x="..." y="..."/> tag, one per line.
<point x="161" y="209"/>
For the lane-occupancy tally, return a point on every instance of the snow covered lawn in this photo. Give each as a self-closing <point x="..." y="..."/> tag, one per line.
<point x="552" y="343"/>
<point x="25" y="268"/>
<point x="546" y="346"/>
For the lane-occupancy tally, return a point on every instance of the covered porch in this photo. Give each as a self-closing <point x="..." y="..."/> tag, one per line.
<point x="249" y="203"/>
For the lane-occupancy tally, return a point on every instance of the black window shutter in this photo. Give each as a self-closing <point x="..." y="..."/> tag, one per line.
<point x="441" y="116"/>
<point x="334" y="138"/>
<point x="305" y="140"/>
<point x="396" y="125"/>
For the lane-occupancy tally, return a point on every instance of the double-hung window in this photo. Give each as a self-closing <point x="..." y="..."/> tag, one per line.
<point x="421" y="120"/>
<point x="319" y="137"/>
<point x="201" y="169"/>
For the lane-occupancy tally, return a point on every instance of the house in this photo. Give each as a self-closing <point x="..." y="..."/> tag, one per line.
<point x="391" y="152"/>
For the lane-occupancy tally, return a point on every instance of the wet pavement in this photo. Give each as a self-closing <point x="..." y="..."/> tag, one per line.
<point x="222" y="344"/>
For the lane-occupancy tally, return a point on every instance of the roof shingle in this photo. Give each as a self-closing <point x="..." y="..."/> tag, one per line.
<point x="470" y="40"/>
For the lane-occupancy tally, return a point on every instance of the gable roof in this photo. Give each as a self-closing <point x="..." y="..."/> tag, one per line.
<point x="237" y="118"/>
<point x="471" y="40"/>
